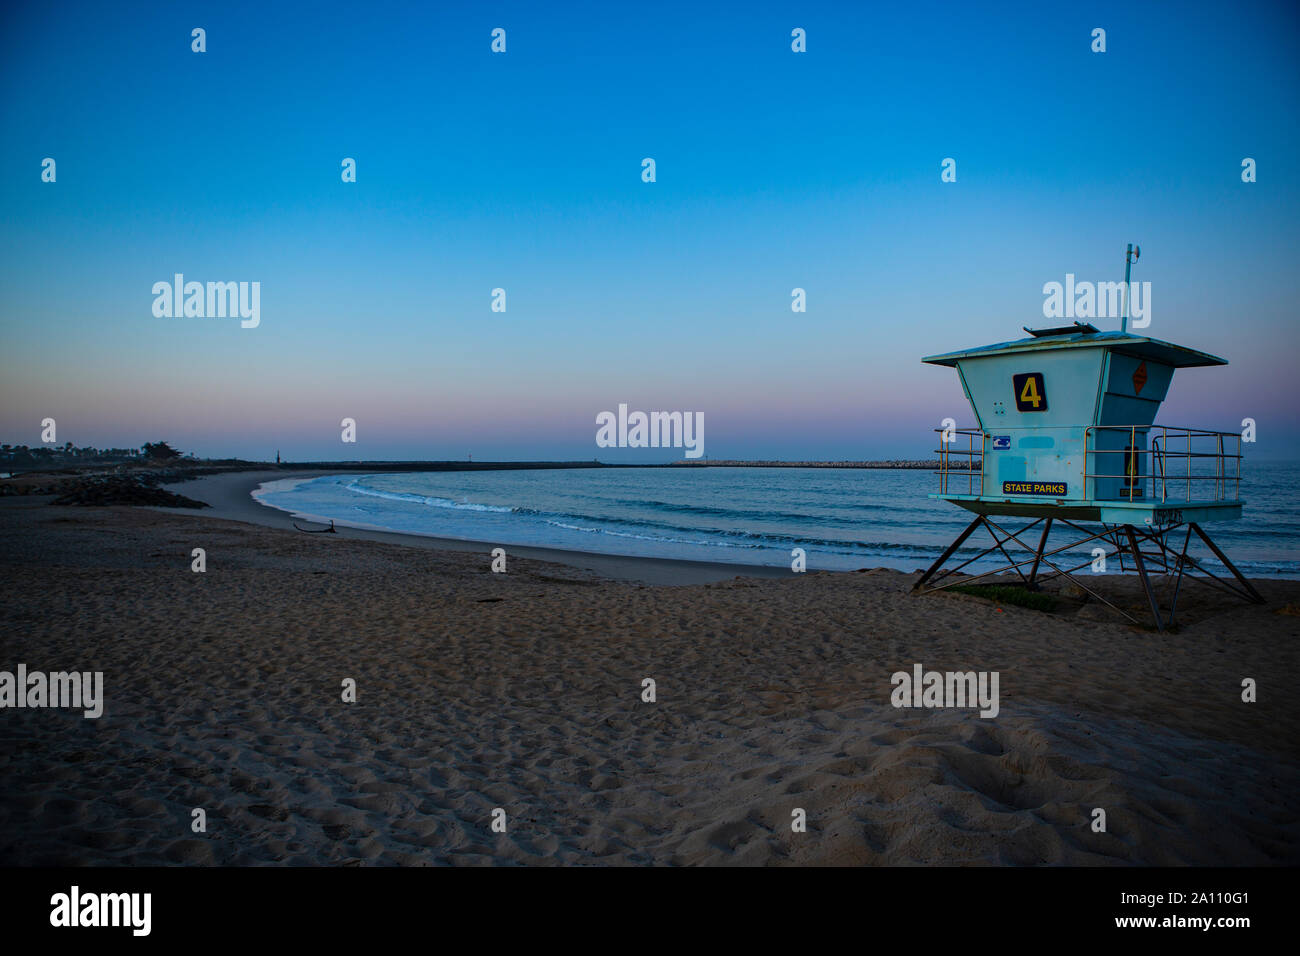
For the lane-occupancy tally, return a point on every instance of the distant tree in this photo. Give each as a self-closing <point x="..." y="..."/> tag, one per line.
<point x="159" y="451"/>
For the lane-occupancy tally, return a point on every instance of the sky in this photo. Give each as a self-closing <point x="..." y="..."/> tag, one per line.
<point x="774" y="170"/>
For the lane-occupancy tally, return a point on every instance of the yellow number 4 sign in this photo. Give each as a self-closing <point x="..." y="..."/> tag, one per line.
<point x="1031" y="393"/>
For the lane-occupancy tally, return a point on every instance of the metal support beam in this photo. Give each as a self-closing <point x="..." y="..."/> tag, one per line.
<point x="1227" y="564"/>
<point x="1042" y="543"/>
<point x="1142" y="573"/>
<point x="1127" y="540"/>
<point x="979" y="520"/>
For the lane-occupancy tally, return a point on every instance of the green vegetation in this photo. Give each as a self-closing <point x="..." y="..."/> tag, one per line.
<point x="159" y="451"/>
<point x="1010" y="594"/>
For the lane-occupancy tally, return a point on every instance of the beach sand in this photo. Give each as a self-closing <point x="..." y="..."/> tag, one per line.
<point x="522" y="691"/>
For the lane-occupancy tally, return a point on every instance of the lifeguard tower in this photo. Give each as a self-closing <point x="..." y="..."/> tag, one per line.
<point x="1066" y="434"/>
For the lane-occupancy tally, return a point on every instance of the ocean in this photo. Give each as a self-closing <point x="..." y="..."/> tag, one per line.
<point x="844" y="519"/>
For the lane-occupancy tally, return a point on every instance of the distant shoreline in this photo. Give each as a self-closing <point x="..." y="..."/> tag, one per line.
<point x="900" y="464"/>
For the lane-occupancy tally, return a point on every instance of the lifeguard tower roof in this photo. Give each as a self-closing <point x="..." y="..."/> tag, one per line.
<point x="1085" y="336"/>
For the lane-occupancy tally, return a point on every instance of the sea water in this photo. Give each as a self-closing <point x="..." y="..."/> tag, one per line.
<point x="844" y="519"/>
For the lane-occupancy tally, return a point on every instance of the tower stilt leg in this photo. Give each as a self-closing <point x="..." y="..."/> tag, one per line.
<point x="1038" y="557"/>
<point x="1250" y="588"/>
<point x="979" y="520"/>
<point x="1182" y="569"/>
<point x="1128" y="540"/>
<point x="1142" y="572"/>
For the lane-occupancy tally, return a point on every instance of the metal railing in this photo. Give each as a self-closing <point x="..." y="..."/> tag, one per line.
<point x="969" y="460"/>
<point x="1177" y="457"/>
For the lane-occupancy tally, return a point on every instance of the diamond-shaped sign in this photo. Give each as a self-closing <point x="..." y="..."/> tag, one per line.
<point x="1139" y="378"/>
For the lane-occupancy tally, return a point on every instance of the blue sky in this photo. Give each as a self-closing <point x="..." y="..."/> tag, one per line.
<point x="522" y="171"/>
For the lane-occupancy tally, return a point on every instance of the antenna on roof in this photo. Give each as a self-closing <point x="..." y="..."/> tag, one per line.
<point x="1130" y="256"/>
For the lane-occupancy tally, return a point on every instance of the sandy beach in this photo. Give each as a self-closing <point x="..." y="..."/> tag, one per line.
<point x="523" y="691"/>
